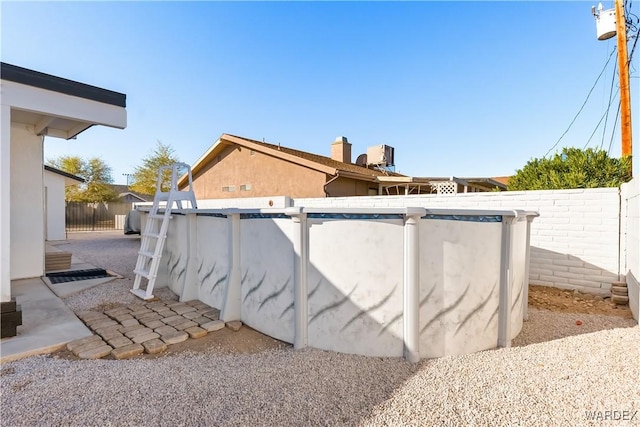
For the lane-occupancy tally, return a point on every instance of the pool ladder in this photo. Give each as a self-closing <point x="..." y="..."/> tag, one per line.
<point x="157" y="224"/>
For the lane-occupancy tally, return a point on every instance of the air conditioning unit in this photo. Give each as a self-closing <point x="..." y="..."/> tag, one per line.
<point x="381" y="155"/>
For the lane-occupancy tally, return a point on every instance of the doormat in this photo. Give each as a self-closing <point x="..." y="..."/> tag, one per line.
<point x="77" y="275"/>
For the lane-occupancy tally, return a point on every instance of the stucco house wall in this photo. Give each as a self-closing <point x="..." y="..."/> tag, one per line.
<point x="34" y="105"/>
<point x="344" y="187"/>
<point x="54" y="206"/>
<point x="27" y="209"/>
<point x="237" y="166"/>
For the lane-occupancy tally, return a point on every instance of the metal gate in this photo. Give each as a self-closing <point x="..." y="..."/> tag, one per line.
<point x="98" y="216"/>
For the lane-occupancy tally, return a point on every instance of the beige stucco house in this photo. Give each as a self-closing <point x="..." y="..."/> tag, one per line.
<point x="240" y="167"/>
<point x="237" y="167"/>
<point x="35" y="105"/>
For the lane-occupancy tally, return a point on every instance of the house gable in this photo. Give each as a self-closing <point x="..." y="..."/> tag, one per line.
<point x="279" y="171"/>
<point x="237" y="171"/>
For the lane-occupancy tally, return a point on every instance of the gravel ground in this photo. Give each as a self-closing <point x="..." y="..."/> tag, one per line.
<point x="548" y="383"/>
<point x="113" y="251"/>
<point x="552" y="383"/>
<point x="105" y="249"/>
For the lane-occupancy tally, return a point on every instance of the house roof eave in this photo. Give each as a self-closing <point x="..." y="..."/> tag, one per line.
<point x="359" y="177"/>
<point x="227" y="140"/>
<point x="64" y="174"/>
<point x="279" y="154"/>
<point x="203" y="160"/>
<point x="45" y="81"/>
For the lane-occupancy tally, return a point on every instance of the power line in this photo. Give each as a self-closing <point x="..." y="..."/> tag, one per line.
<point x="614" y="129"/>
<point x="631" y="25"/>
<point x="583" y="104"/>
<point x="606" y="113"/>
<point x="613" y="79"/>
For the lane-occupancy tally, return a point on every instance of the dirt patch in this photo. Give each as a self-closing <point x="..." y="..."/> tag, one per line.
<point x="554" y="299"/>
<point x="225" y="341"/>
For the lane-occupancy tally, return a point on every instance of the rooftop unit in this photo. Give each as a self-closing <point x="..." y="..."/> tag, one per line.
<point x="380" y="155"/>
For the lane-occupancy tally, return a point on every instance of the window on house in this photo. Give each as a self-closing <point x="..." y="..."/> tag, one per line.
<point x="229" y="189"/>
<point x="245" y="187"/>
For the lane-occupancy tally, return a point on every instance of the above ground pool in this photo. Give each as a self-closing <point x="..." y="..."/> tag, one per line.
<point x="412" y="282"/>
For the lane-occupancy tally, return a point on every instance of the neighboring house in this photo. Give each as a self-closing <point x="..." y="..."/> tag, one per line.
<point x="126" y="195"/>
<point x="55" y="182"/>
<point x="35" y="105"/>
<point x="239" y="167"/>
<point x="236" y="167"/>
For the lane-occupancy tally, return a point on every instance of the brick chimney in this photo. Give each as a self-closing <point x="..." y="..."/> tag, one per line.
<point x="341" y="150"/>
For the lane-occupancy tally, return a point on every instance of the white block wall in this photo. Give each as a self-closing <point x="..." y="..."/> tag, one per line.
<point x="574" y="242"/>
<point x="630" y="242"/>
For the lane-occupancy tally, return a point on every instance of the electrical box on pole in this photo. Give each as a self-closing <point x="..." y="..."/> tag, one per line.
<point x="610" y="23"/>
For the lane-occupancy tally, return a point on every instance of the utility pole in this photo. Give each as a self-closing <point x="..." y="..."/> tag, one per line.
<point x="623" y="67"/>
<point x="607" y="28"/>
<point x="129" y="177"/>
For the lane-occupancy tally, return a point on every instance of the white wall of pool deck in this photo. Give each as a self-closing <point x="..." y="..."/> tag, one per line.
<point x="584" y="239"/>
<point x="459" y="271"/>
<point x="355" y="277"/>
<point x="574" y="242"/>
<point x="266" y="284"/>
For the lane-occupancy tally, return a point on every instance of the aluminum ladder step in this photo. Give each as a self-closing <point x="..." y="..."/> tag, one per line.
<point x="141" y="293"/>
<point x="156" y="216"/>
<point x="143" y="273"/>
<point x="150" y="254"/>
<point x="147" y="254"/>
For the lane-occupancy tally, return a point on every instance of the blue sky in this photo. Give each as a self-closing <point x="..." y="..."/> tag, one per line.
<point x="458" y="88"/>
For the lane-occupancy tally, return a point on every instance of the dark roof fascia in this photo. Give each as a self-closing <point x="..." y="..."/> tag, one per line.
<point x="40" y="80"/>
<point x="63" y="173"/>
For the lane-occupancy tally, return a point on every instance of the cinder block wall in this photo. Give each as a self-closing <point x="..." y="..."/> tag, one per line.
<point x="575" y="241"/>
<point x="630" y="241"/>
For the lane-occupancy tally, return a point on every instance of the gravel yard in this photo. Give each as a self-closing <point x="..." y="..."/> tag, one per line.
<point x="557" y="373"/>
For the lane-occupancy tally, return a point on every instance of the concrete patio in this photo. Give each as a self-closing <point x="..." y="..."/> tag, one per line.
<point x="47" y="323"/>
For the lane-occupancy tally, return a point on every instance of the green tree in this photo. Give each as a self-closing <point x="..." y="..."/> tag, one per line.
<point x="146" y="175"/>
<point x="572" y="168"/>
<point x="97" y="176"/>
